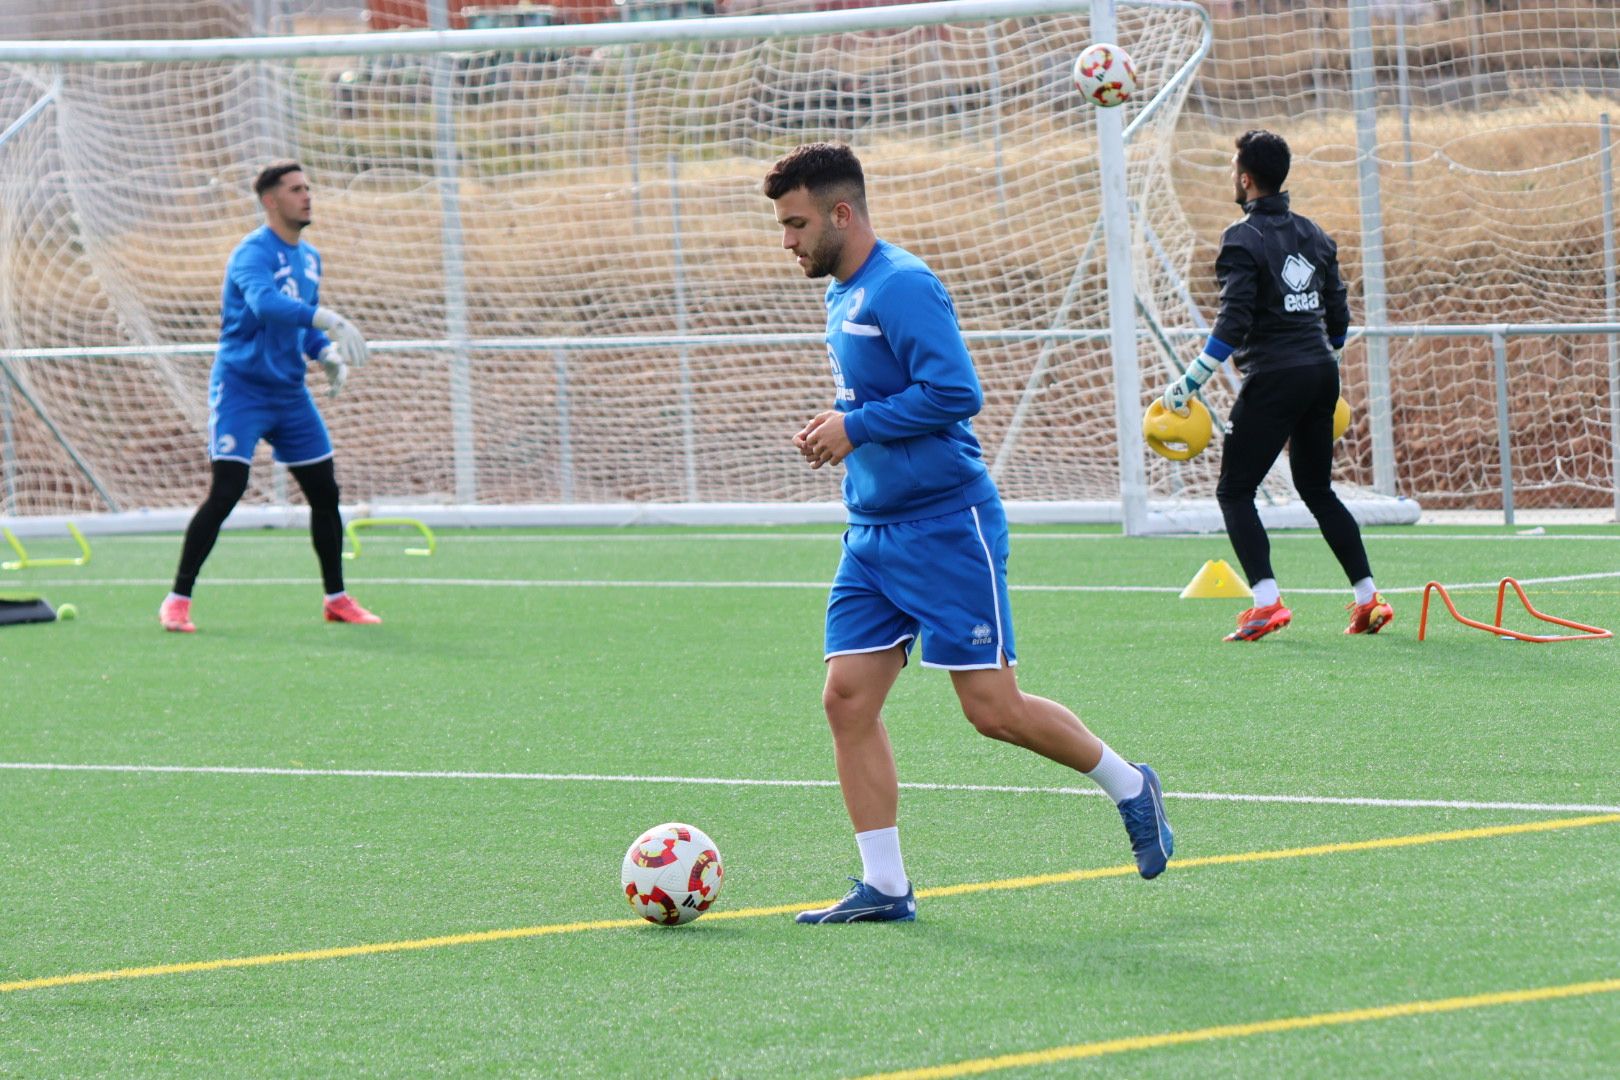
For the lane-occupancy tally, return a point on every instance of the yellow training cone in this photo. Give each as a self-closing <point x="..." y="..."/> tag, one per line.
<point x="1215" y="580"/>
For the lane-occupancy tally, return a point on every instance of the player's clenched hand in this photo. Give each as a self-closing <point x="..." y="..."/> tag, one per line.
<point x="1178" y="393"/>
<point x="822" y="441"/>
<point x="1176" y="396"/>
<point x="801" y="439"/>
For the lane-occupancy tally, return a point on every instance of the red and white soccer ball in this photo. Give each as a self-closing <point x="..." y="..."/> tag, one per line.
<point x="1105" y="74"/>
<point x="672" y="874"/>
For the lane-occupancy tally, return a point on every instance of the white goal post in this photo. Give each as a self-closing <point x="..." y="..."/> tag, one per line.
<point x="555" y="240"/>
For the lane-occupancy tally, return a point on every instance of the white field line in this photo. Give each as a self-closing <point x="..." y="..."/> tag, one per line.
<point x="638" y="583"/>
<point x="715" y="781"/>
<point x="301" y="537"/>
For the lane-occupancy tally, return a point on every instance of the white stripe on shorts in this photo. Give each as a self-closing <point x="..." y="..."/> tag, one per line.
<point x="995" y="602"/>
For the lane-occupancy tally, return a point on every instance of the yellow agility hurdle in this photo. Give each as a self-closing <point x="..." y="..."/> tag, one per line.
<point x="26" y="562"/>
<point x="353" y="532"/>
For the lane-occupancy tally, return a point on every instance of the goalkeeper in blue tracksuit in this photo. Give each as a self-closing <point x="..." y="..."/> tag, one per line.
<point x="271" y="327"/>
<point x="925" y="554"/>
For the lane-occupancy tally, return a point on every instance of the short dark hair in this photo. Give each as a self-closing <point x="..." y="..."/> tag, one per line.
<point x="1264" y="156"/>
<point x="823" y="169"/>
<point x="272" y="173"/>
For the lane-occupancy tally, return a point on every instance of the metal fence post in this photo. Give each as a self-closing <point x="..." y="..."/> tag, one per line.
<point x="684" y="351"/>
<point x="994" y="65"/>
<point x="1610" y="313"/>
<point x="8" y="455"/>
<point x="1403" y="87"/>
<point x="1504" y="438"/>
<point x="565" y="425"/>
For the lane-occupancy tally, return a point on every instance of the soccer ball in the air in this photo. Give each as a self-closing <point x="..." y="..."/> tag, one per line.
<point x="1105" y="74"/>
<point x="672" y="874"/>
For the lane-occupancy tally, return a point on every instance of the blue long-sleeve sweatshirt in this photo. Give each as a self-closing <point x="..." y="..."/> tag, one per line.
<point x="906" y="386"/>
<point x="268" y="300"/>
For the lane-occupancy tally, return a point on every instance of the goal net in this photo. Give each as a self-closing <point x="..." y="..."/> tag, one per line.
<point x="1494" y="208"/>
<point x="559" y="248"/>
<point x="556" y="242"/>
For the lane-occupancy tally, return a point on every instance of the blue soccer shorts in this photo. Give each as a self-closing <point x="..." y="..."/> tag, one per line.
<point x="238" y="418"/>
<point x="943" y="579"/>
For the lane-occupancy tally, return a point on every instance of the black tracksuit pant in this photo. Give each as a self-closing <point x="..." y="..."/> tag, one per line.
<point x="1292" y="405"/>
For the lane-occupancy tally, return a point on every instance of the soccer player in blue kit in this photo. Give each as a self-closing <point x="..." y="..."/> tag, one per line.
<point x="271" y="327"/>
<point x="925" y="553"/>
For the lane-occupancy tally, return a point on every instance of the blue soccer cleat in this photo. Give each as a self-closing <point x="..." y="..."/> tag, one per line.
<point x="1149" y="830"/>
<point x="865" y="904"/>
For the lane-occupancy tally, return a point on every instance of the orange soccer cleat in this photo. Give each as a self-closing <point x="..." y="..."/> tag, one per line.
<point x="1257" y="622"/>
<point x="175" y="615"/>
<point x="1371" y="617"/>
<point x="344" y="609"/>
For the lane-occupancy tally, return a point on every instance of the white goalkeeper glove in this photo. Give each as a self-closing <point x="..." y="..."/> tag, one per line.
<point x="337" y="369"/>
<point x="344" y="334"/>
<point x="1178" y="393"/>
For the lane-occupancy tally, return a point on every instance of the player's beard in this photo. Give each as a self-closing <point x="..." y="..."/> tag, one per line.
<point x="297" y="222"/>
<point x="822" y="259"/>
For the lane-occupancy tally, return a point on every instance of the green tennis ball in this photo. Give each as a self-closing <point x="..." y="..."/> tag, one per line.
<point x="67" y="611"/>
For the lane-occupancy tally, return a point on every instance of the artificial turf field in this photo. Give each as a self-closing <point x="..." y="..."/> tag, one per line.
<point x="1393" y="858"/>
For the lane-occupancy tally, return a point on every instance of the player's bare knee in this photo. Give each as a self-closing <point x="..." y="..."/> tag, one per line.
<point x="848" y="707"/>
<point x="995" y="719"/>
<point x="994" y="726"/>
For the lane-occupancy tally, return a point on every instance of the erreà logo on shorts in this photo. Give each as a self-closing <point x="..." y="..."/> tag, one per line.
<point x="1297" y="273"/>
<point x="981" y="634"/>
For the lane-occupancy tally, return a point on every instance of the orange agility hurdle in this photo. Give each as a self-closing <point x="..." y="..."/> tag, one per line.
<point x="1592" y="633"/>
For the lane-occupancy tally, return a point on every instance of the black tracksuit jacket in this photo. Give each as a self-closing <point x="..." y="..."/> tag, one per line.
<point x="1282" y="301"/>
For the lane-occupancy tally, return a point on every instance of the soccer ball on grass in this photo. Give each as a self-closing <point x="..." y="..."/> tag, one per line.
<point x="1105" y="74"/>
<point x="672" y="874"/>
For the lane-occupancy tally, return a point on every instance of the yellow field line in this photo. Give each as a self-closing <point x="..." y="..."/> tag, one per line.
<point x="481" y="936"/>
<point x="1238" y="1031"/>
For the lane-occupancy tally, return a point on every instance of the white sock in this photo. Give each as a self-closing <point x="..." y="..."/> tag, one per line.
<point x="1266" y="592"/>
<point x="881" y="867"/>
<point x="334" y="596"/>
<point x="175" y="596"/>
<point x="1365" y="590"/>
<point x="1118" y="777"/>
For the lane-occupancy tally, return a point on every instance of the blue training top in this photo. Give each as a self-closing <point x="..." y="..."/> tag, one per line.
<point x="908" y="392"/>
<point x="271" y="291"/>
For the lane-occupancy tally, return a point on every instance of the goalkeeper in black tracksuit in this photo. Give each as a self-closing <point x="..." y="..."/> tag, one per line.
<point x="1282" y="322"/>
